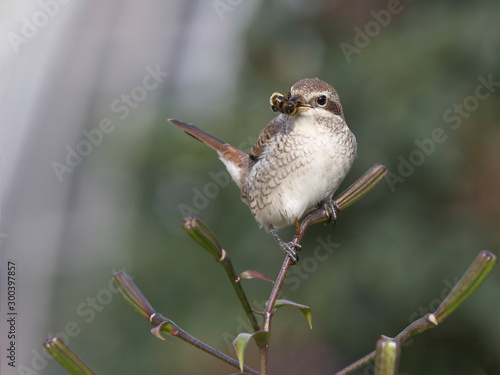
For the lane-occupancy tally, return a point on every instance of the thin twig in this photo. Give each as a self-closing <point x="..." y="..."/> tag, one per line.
<point x="133" y="296"/>
<point x="200" y="233"/>
<point x="225" y="261"/>
<point x="176" y="331"/>
<point x="418" y="326"/>
<point x="352" y="194"/>
<point x="468" y="283"/>
<point x="358" y="364"/>
<point x="269" y="311"/>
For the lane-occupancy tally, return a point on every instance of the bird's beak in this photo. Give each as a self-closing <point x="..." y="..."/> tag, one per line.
<point x="301" y="104"/>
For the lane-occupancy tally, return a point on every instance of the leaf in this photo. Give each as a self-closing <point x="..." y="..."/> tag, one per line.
<point x="200" y="233"/>
<point x="250" y="274"/>
<point x="240" y="344"/>
<point x="165" y="327"/>
<point x="131" y="293"/>
<point x="261" y="338"/>
<point x="306" y="310"/>
<point x="241" y="341"/>
<point x="65" y="356"/>
<point x="470" y="281"/>
<point x="387" y="356"/>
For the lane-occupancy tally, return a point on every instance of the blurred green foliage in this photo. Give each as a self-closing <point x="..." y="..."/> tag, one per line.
<point x="398" y="251"/>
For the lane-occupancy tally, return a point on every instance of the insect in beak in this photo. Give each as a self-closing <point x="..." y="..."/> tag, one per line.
<point x="286" y="104"/>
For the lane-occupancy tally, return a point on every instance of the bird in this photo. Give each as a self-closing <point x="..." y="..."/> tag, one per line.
<point x="298" y="162"/>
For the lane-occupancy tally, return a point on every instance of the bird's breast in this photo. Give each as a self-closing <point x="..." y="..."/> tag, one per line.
<point x="299" y="168"/>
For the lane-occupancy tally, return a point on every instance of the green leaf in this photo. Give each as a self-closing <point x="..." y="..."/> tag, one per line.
<point x="362" y="186"/>
<point x="306" y="310"/>
<point x="131" y="293"/>
<point x="199" y="232"/>
<point x="66" y="358"/>
<point x="241" y="341"/>
<point x="250" y="274"/>
<point x="240" y="344"/>
<point x="470" y="281"/>
<point x="387" y="356"/>
<point x="261" y="338"/>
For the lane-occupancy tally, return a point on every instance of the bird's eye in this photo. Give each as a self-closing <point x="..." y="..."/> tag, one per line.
<point x="321" y="100"/>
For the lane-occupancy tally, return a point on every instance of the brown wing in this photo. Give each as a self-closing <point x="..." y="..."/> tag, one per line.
<point x="268" y="133"/>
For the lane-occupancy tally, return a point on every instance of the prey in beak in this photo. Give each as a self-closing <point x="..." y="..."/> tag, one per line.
<point x="286" y="104"/>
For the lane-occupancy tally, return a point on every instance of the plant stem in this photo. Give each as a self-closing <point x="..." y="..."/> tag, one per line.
<point x="418" y="326"/>
<point x="176" y="331"/>
<point x="269" y="311"/>
<point x="201" y="234"/>
<point x="358" y="364"/>
<point x="352" y="194"/>
<point x="468" y="283"/>
<point x="225" y="261"/>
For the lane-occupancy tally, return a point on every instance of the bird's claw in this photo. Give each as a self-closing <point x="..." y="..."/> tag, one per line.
<point x="331" y="209"/>
<point x="290" y="249"/>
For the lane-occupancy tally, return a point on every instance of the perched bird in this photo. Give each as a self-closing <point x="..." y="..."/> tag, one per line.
<point x="298" y="162"/>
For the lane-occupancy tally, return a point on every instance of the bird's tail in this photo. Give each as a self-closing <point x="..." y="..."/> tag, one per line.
<point x="211" y="141"/>
<point x="236" y="161"/>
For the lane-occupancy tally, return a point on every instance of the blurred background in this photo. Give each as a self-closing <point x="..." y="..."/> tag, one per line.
<point x="94" y="180"/>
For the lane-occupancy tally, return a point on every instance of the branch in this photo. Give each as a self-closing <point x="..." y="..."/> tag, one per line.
<point x="204" y="236"/>
<point x="469" y="282"/>
<point x="352" y="194"/>
<point x="136" y="299"/>
<point x="418" y="326"/>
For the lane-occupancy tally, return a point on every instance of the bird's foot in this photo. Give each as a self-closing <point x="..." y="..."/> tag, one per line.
<point x="331" y="209"/>
<point x="289" y="248"/>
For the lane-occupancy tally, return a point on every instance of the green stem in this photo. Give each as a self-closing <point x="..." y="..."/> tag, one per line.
<point x="468" y="283"/>
<point x="387" y="357"/>
<point x="225" y="262"/>
<point x="352" y="194"/>
<point x="418" y="326"/>
<point x="362" y="186"/>
<point x="200" y="233"/>
<point x="65" y="356"/>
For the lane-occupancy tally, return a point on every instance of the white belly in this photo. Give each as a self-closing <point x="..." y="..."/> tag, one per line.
<point x="294" y="178"/>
